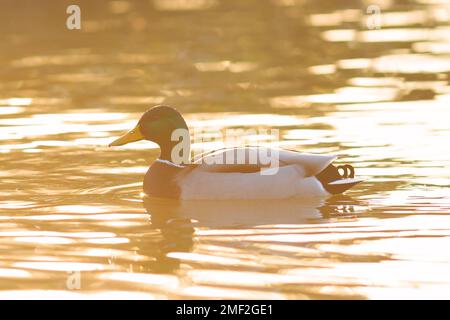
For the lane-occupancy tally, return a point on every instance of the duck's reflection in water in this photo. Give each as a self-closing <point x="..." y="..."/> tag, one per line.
<point x="177" y="221"/>
<point x="176" y="233"/>
<point x="245" y="213"/>
<point x="340" y="206"/>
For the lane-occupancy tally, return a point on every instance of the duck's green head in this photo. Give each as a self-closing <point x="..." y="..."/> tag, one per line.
<point x="158" y="125"/>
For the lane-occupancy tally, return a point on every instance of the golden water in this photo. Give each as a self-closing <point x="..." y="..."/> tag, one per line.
<point x="70" y="206"/>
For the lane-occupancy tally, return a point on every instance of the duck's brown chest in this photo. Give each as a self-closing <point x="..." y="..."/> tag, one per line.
<point x="161" y="181"/>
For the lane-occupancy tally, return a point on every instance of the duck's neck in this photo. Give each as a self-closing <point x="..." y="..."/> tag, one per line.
<point x="177" y="152"/>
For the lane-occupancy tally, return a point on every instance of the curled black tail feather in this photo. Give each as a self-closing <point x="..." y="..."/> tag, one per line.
<point x="333" y="174"/>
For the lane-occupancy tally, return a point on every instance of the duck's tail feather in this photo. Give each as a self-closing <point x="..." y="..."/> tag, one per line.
<point x="336" y="182"/>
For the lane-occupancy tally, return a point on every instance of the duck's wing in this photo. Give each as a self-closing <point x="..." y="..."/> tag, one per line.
<point x="253" y="159"/>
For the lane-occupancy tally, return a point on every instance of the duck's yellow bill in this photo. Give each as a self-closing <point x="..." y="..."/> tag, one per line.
<point x="131" y="136"/>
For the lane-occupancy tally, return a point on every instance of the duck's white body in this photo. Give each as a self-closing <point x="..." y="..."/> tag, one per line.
<point x="294" y="176"/>
<point x="288" y="182"/>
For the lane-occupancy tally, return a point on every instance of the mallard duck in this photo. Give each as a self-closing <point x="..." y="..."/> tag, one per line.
<point x="297" y="175"/>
